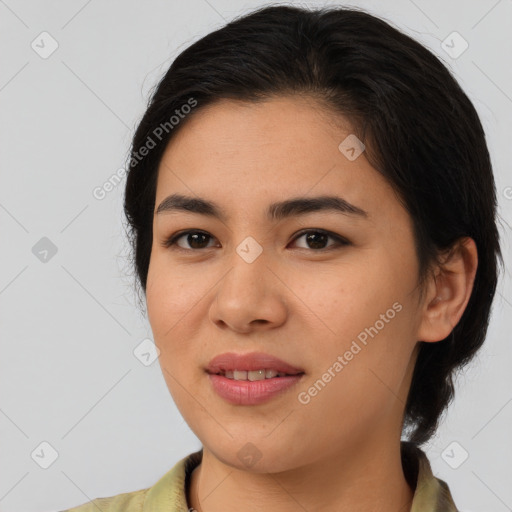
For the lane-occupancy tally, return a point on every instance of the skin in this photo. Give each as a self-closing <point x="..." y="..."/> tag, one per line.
<point x="303" y="304"/>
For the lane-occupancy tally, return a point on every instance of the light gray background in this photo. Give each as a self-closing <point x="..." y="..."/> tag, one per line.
<point x="68" y="375"/>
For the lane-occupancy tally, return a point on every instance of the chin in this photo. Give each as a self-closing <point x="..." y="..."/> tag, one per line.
<point x="255" y="456"/>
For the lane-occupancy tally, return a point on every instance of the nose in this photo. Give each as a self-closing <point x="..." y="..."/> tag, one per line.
<point x="249" y="298"/>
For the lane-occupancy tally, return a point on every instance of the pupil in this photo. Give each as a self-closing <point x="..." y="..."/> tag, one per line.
<point x="194" y="238"/>
<point x="311" y="239"/>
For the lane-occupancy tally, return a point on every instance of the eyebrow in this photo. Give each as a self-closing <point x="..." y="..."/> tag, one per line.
<point x="276" y="211"/>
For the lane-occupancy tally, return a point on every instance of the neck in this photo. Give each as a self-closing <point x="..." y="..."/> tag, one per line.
<point x="366" y="477"/>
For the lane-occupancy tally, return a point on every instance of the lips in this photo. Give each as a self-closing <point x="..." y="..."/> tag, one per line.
<point x="250" y="362"/>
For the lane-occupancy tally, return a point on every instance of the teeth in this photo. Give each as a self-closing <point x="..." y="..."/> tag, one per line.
<point x="256" y="375"/>
<point x="253" y="375"/>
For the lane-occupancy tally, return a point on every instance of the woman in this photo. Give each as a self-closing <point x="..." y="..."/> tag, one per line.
<point x="312" y="211"/>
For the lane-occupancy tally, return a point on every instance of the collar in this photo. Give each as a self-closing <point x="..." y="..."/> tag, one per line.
<point x="431" y="494"/>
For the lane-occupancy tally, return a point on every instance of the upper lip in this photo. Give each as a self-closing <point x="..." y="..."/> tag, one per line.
<point x="250" y="361"/>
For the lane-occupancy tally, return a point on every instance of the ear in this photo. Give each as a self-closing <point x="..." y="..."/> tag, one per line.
<point x="448" y="291"/>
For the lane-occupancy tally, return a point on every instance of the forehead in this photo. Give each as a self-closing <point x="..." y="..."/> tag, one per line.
<point x="281" y="147"/>
<point x="273" y="122"/>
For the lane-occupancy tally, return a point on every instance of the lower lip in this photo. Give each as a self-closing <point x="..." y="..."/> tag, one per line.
<point x="245" y="392"/>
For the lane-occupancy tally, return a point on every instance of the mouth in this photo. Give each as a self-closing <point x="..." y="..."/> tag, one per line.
<point x="253" y="378"/>
<point x="254" y="375"/>
<point x="251" y="366"/>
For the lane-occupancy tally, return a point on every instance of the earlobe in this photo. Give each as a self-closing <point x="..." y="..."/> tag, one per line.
<point x="449" y="291"/>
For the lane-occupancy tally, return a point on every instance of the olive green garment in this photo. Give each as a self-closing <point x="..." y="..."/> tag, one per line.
<point x="169" y="493"/>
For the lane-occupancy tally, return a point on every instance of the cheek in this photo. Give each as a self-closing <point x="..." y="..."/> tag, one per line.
<point x="168" y="300"/>
<point x="350" y="296"/>
<point x="177" y="306"/>
<point x="170" y="293"/>
<point x="170" y="307"/>
<point x="363" y="310"/>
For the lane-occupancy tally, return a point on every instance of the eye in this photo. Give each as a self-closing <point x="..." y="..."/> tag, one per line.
<point x="195" y="238"/>
<point x="315" y="238"/>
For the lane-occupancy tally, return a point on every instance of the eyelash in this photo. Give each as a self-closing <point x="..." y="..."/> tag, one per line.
<point x="170" y="242"/>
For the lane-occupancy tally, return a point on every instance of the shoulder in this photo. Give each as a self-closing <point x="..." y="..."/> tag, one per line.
<point x="167" y="494"/>
<point x="129" y="502"/>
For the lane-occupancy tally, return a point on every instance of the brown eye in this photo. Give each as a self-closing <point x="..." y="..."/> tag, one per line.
<point x="317" y="239"/>
<point x="194" y="239"/>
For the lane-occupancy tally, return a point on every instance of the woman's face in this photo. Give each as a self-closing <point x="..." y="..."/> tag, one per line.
<point x="344" y="311"/>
